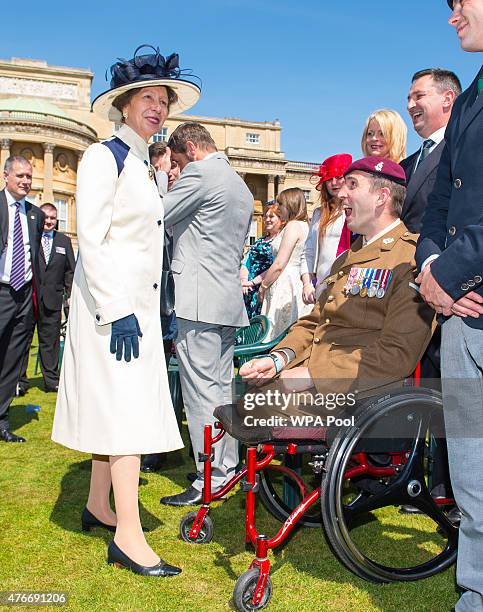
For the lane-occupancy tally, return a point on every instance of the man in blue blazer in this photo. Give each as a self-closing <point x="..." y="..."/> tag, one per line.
<point x="450" y="257"/>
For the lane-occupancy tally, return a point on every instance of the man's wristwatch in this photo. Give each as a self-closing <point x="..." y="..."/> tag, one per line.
<point x="277" y="362"/>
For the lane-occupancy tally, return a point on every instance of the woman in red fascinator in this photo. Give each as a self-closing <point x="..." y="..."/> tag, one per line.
<point x="328" y="234"/>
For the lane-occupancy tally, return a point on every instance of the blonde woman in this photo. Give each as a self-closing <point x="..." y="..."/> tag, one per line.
<point x="385" y="135"/>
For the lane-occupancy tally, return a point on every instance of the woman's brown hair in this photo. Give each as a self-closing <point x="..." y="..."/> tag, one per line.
<point x="293" y="202"/>
<point x="329" y="209"/>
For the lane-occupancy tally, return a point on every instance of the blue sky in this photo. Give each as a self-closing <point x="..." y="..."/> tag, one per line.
<point x="319" y="67"/>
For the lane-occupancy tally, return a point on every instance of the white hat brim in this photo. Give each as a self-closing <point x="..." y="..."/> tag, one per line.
<point x="188" y="95"/>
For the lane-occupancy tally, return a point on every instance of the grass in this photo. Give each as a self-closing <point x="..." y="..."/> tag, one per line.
<point x="43" y="490"/>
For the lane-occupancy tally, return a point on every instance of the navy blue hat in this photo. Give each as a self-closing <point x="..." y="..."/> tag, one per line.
<point x="379" y="166"/>
<point x="148" y="71"/>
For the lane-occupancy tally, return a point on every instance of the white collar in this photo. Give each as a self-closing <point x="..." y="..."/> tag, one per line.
<point x="137" y="144"/>
<point x="437" y="136"/>
<point x="210" y="155"/>
<point x="11" y="200"/>
<point x="49" y="234"/>
<point x="380" y="234"/>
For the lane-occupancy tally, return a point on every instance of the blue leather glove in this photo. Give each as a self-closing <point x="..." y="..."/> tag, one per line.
<point x="124" y="334"/>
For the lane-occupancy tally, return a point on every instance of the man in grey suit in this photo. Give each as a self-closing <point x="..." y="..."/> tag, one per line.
<point x="210" y="209"/>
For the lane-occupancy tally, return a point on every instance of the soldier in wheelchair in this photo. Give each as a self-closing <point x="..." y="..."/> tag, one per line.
<point x="332" y="391"/>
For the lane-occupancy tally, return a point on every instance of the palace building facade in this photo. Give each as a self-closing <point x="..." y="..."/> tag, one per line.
<point x="45" y="116"/>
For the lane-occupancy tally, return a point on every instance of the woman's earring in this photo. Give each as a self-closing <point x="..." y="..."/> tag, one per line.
<point x="124" y="116"/>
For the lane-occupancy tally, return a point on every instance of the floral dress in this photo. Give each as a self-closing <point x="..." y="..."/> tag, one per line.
<point x="258" y="259"/>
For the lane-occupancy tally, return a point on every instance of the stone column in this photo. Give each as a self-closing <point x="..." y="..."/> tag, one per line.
<point x="271" y="187"/>
<point x="5" y="145"/>
<point x="48" y="194"/>
<point x="281" y="183"/>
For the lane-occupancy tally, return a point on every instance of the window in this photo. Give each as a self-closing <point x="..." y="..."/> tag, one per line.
<point x="251" y="138"/>
<point x="61" y="206"/>
<point x="306" y="194"/>
<point x="253" y="232"/>
<point x="161" y="136"/>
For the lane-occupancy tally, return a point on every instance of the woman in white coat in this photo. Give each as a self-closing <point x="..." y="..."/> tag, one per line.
<point x="114" y="399"/>
<point x="328" y="233"/>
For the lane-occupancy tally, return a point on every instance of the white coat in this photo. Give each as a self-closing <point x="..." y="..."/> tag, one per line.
<point x="105" y="406"/>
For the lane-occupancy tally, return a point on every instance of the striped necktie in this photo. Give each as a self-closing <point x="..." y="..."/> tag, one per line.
<point x="17" y="274"/>
<point x="427" y="144"/>
<point x="46" y="246"/>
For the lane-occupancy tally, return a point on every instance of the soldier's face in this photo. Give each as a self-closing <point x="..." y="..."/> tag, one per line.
<point x="359" y="202"/>
<point x="467" y="19"/>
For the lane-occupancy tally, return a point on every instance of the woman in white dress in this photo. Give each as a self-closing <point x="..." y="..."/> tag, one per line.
<point x="281" y="289"/>
<point x="114" y="399"/>
<point x="328" y="233"/>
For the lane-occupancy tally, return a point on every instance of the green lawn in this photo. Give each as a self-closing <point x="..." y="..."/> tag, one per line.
<point x="43" y="490"/>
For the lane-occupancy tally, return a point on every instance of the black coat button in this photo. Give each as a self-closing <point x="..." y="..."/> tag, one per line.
<point x="98" y="318"/>
<point x="478" y="279"/>
<point x="159" y="221"/>
<point x="155" y="286"/>
<point x="457" y="183"/>
<point x="464" y="287"/>
<point x="452" y="230"/>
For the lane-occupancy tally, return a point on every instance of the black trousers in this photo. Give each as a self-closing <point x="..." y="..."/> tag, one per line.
<point x="48" y="331"/>
<point x="16" y="313"/>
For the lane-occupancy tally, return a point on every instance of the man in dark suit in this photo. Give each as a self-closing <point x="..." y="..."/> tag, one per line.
<point x="21" y="225"/>
<point x="430" y="100"/>
<point x="56" y="264"/>
<point x="450" y="257"/>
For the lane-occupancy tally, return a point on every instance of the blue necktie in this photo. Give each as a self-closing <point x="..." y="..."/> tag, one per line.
<point x="17" y="275"/>
<point x="427" y="144"/>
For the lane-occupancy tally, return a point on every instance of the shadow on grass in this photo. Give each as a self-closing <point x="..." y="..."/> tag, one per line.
<point x="74" y="488"/>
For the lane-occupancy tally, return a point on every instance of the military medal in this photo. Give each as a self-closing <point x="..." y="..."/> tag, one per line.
<point x="372" y="291"/>
<point x="151" y="171"/>
<point x="350" y="280"/>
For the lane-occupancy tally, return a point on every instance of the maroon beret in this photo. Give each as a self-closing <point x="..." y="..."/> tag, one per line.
<point x="379" y="166"/>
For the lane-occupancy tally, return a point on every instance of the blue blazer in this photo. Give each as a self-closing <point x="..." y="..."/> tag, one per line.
<point x="453" y="220"/>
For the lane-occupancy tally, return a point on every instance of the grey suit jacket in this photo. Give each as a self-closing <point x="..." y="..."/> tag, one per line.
<point x="210" y="209"/>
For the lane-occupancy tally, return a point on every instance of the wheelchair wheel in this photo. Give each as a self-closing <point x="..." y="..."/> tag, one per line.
<point x="282" y="488"/>
<point x="391" y="547"/>
<point x="206" y="532"/>
<point x="245" y="588"/>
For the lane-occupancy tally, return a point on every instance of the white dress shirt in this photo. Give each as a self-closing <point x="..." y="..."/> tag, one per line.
<point x="436" y="137"/>
<point x="6" y="258"/>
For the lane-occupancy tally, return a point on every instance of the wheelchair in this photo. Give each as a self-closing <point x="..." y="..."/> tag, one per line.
<point x="349" y="480"/>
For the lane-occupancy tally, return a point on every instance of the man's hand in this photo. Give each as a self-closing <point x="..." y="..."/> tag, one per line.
<point x="258" y="371"/>
<point x="297" y="380"/>
<point x="163" y="162"/>
<point x="433" y="294"/>
<point x="471" y="305"/>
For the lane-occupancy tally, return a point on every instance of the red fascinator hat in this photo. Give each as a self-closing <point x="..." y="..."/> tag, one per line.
<point x="333" y="166"/>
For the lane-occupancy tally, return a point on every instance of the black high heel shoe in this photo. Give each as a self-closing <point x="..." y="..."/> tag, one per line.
<point x="116" y="557"/>
<point x="89" y="521"/>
